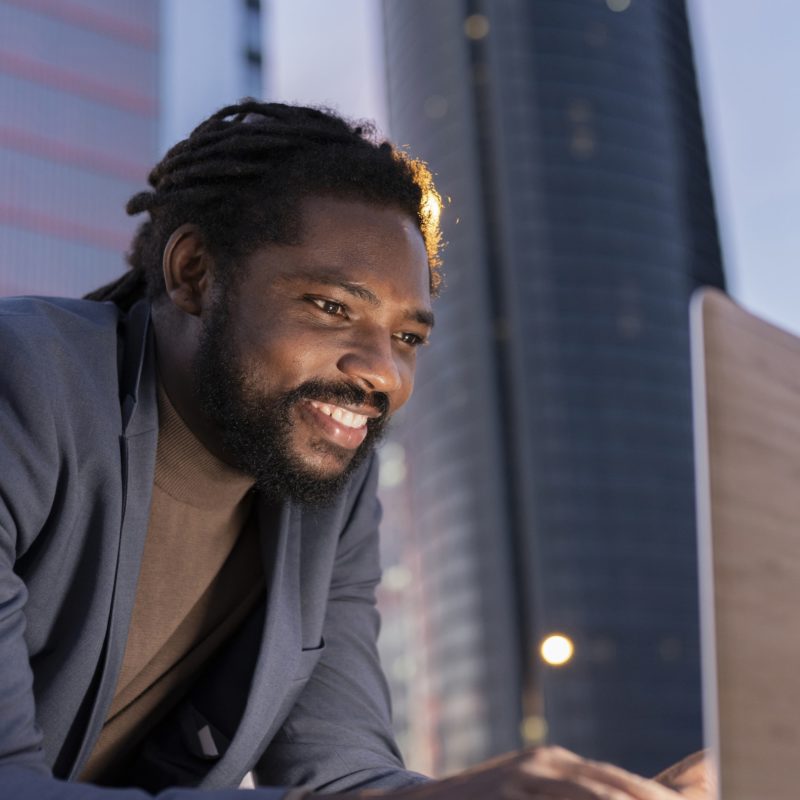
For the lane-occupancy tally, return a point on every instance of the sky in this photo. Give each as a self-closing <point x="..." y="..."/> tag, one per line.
<point x="328" y="53"/>
<point x="748" y="64"/>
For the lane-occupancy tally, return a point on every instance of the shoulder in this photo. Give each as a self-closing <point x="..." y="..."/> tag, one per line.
<point x="59" y="372"/>
<point x="60" y="416"/>
<point x="50" y="337"/>
<point x="42" y="316"/>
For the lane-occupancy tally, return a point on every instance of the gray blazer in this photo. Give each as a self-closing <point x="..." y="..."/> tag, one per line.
<point x="297" y="695"/>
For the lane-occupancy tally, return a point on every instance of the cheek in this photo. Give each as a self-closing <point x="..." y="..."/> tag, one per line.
<point x="284" y="362"/>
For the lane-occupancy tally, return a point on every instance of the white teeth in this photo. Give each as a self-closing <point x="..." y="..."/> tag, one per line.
<point x="348" y="418"/>
<point x="345" y="417"/>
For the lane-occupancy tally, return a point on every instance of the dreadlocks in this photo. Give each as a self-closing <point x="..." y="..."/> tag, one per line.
<point x="240" y="178"/>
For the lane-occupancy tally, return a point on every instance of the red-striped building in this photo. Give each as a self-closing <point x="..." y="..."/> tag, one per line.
<point x="78" y="133"/>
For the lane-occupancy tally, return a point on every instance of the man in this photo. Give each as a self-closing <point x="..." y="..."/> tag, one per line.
<point x="188" y="522"/>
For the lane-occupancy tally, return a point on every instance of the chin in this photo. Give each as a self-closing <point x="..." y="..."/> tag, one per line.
<point x="310" y="479"/>
<point x="306" y="469"/>
<point x="326" y="460"/>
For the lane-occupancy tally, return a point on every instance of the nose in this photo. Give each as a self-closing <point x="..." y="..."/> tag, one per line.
<point x="371" y="363"/>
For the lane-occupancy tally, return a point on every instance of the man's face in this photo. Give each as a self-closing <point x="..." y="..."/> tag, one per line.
<point x="305" y="357"/>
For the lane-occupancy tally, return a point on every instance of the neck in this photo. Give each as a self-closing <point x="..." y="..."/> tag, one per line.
<point x="177" y="336"/>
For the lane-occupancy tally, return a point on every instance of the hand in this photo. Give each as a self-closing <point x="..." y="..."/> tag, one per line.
<point x="552" y="773"/>
<point x="546" y="773"/>
<point x="693" y="778"/>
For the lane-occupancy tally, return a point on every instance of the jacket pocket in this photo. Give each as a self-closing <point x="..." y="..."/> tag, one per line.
<point x="309" y="657"/>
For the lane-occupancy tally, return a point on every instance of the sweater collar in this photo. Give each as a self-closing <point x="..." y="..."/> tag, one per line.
<point x="187" y="470"/>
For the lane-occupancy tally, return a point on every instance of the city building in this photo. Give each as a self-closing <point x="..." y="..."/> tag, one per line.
<point x="547" y="451"/>
<point x="93" y="93"/>
<point x="79" y="133"/>
<point x="213" y="56"/>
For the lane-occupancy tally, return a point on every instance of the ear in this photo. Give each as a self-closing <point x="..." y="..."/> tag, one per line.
<point x="187" y="266"/>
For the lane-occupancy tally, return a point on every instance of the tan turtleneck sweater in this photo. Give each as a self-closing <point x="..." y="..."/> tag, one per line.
<point x="200" y="575"/>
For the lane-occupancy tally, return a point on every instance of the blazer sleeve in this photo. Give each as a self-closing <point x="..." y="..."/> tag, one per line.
<point x="338" y="735"/>
<point x="29" y="473"/>
<point x="26" y="483"/>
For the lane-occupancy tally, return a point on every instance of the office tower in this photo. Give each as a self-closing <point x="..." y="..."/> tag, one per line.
<point x="79" y="99"/>
<point x="213" y="56"/>
<point x="548" y="446"/>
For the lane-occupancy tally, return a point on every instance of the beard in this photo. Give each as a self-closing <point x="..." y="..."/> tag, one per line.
<point x="257" y="428"/>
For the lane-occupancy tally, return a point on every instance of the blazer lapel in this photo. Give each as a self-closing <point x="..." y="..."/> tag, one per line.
<point x="279" y="650"/>
<point x="138" y="452"/>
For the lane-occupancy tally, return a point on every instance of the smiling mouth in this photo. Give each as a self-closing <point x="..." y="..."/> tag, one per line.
<point x="347" y="418"/>
<point x="345" y="427"/>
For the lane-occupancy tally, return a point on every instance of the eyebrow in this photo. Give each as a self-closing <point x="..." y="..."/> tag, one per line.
<point x="420" y="315"/>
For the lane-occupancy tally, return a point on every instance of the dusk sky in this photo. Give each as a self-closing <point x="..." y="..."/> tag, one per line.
<point x="748" y="65"/>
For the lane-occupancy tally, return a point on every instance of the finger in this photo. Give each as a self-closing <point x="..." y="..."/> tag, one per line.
<point x="557" y="762"/>
<point x="551" y="756"/>
<point x="694" y="776"/>
<point x="564" y="788"/>
<point x="553" y="751"/>
<point x="526" y="795"/>
<point x="685" y="764"/>
<point x="635" y="786"/>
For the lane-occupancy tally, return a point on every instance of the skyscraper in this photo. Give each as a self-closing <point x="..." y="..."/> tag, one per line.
<point x="92" y="93"/>
<point x="213" y="56"/>
<point x="79" y="93"/>
<point x="549" y="457"/>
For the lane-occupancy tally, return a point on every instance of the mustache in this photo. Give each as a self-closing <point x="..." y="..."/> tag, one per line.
<point x="341" y="393"/>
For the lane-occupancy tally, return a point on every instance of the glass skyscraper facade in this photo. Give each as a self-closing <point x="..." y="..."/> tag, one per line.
<point x="78" y="135"/>
<point x="547" y="449"/>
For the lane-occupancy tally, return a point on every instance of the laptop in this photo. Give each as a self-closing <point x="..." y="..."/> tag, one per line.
<point x="746" y="389"/>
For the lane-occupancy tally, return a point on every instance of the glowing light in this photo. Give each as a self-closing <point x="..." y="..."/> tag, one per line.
<point x="432" y="208"/>
<point x="556" y="649"/>
<point x="396" y="578"/>
<point x="618" y="5"/>
<point x="476" y="26"/>
<point x="393" y="465"/>
<point x="534" y="730"/>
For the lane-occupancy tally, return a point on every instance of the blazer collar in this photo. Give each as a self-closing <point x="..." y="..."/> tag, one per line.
<point x="137" y="453"/>
<point x="135" y="380"/>
<point x="280" y="645"/>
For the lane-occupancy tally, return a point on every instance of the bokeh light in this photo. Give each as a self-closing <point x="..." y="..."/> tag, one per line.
<point x="476" y="26"/>
<point x="556" y="649"/>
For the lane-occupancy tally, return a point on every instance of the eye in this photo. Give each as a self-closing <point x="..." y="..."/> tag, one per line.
<point x="412" y="339"/>
<point x="330" y="307"/>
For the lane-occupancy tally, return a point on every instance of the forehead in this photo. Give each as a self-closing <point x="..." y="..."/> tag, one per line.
<point x="378" y="246"/>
